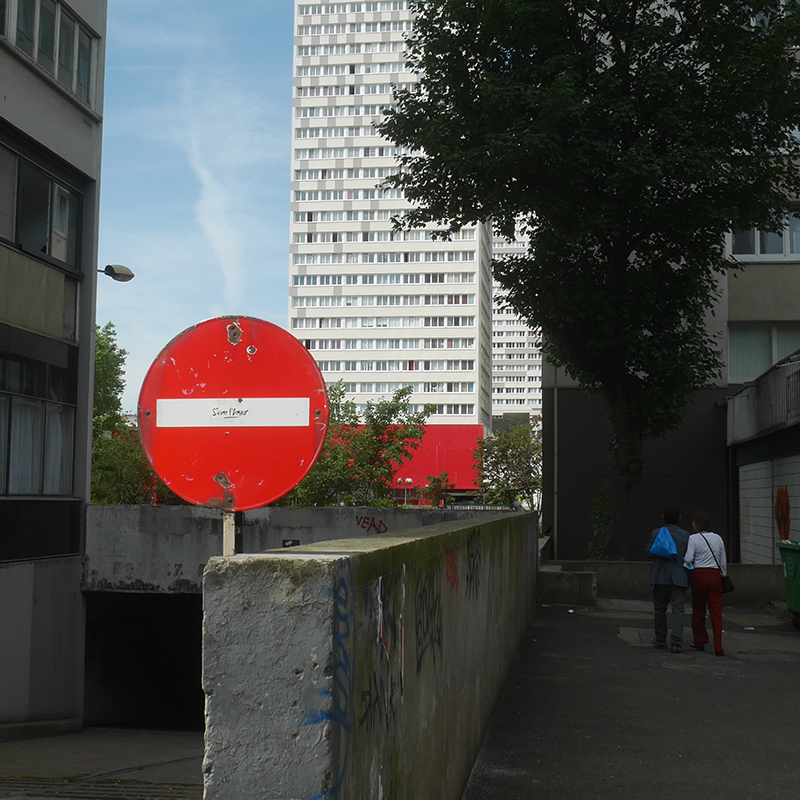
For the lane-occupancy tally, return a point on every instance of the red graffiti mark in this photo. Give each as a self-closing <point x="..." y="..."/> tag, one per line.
<point x="381" y="624"/>
<point x="371" y="524"/>
<point x="451" y="563"/>
<point x="783" y="512"/>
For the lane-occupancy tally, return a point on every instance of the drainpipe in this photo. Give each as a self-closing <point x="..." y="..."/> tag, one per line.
<point x="555" y="465"/>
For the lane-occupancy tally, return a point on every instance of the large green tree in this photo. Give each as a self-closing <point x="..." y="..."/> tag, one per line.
<point x="362" y="452"/>
<point x="509" y="465"/>
<point x="626" y="138"/>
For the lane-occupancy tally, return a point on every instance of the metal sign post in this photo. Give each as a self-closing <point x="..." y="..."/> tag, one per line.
<point x="228" y="533"/>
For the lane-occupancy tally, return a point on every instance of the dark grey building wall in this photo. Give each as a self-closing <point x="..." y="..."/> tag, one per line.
<point x="688" y="468"/>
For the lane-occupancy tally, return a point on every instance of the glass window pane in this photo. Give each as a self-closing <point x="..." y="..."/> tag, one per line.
<point x="787" y="340"/>
<point x="47" y="35"/>
<point x="25" y="463"/>
<point x="750" y="351"/>
<point x="65" y="225"/>
<point x="744" y="242"/>
<point x="33" y="208"/>
<point x="66" y="50"/>
<point x="84" y="65"/>
<point x="3" y="5"/>
<point x="26" y="10"/>
<point x="8" y="191"/>
<point x="794" y="233"/>
<point x="771" y="243"/>
<point x="58" y="449"/>
<point x="4" y="399"/>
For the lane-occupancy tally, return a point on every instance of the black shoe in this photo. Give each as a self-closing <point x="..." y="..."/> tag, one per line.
<point x="676" y="648"/>
<point x="719" y="653"/>
<point x="699" y="647"/>
<point x="659" y="645"/>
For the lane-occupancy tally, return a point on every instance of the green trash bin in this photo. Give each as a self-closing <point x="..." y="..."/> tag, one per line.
<point x="790" y="555"/>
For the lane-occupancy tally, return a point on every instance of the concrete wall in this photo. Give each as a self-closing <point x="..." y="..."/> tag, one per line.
<point x="756" y="584"/>
<point x="41" y="615"/>
<point x="362" y="668"/>
<point x="165" y="549"/>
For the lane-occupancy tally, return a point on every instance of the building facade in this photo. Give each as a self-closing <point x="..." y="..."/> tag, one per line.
<point x="52" y="56"/>
<point x="710" y="462"/>
<point x="516" y="350"/>
<point x="379" y="309"/>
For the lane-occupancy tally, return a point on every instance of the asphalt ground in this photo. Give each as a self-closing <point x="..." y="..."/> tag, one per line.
<point x="591" y="711"/>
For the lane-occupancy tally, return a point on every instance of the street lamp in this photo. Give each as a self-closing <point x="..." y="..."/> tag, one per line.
<point x="117" y="272"/>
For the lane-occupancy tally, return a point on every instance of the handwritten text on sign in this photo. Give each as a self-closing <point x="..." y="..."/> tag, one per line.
<point x="245" y="412"/>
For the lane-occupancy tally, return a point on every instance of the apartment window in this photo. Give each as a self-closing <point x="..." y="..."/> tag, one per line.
<point x="37" y="419"/>
<point x="46" y="33"/>
<point x="47" y="215"/>
<point x="755" y="243"/>
<point x="755" y="346"/>
<point x="26" y="16"/>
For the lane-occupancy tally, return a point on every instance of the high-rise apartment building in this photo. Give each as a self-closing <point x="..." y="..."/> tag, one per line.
<point x="378" y="308"/>
<point x="516" y="350"/>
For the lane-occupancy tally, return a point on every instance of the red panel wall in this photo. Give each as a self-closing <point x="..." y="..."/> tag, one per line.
<point x="444" y="447"/>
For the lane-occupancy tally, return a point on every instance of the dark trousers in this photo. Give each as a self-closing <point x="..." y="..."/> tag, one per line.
<point x="707" y="590"/>
<point x="665" y="594"/>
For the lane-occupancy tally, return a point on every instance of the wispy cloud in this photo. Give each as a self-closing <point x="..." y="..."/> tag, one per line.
<point x="196" y="167"/>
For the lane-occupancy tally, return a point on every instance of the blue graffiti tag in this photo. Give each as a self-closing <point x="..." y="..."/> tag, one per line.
<point x="340" y="712"/>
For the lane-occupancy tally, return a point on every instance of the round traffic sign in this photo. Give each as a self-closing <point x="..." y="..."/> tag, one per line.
<point x="233" y="413"/>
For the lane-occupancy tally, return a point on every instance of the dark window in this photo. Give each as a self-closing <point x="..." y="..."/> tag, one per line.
<point x="66" y="39"/>
<point x="37" y="422"/>
<point x="34" y="208"/>
<point x="8" y="182"/>
<point x="26" y="14"/>
<point x="47" y="35"/>
<point x="46" y="213"/>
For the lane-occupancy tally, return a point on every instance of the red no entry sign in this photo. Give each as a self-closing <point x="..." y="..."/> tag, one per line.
<point x="233" y="413"/>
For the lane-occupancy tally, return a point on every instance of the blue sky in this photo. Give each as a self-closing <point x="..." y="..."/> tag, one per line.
<point x="195" y="176"/>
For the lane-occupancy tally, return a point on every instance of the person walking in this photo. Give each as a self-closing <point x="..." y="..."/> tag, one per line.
<point x="706" y="554"/>
<point x="670" y="580"/>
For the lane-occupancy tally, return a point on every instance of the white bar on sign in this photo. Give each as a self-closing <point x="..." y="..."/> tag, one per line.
<point x="240" y="412"/>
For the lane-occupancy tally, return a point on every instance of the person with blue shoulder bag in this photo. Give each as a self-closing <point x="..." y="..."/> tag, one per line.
<point x="669" y="578"/>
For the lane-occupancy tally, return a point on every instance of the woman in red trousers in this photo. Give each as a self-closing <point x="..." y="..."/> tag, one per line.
<point x="706" y="554"/>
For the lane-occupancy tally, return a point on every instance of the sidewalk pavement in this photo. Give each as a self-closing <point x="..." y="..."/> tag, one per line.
<point x="591" y="711"/>
<point x="104" y="764"/>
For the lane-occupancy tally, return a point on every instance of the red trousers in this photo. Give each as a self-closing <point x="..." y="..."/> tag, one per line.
<point x="707" y="589"/>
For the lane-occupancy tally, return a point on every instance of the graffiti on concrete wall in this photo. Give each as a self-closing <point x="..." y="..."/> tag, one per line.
<point x="428" y="613"/>
<point x="451" y="569"/>
<point x="474" y="558"/>
<point x="371" y="524"/>
<point x="339" y="711"/>
<point x="384" y="689"/>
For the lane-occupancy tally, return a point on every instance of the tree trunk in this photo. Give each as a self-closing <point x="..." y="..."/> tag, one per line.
<point x="627" y="461"/>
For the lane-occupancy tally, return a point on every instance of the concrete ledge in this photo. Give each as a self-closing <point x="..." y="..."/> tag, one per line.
<point x="756" y="584"/>
<point x="362" y="668"/>
<point x="571" y="588"/>
<point x="13" y="731"/>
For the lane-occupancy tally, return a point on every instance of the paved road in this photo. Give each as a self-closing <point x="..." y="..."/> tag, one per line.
<point x="591" y="711"/>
